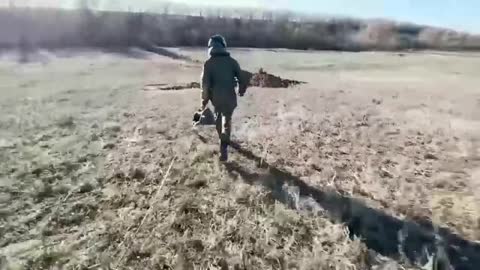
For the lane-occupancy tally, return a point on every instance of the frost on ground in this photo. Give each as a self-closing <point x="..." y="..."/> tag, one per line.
<point x="371" y="165"/>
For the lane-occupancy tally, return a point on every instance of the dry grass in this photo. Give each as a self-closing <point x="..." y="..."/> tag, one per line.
<point x="326" y="178"/>
<point x="226" y="223"/>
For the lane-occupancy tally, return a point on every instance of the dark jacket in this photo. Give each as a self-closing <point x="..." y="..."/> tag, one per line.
<point x="220" y="76"/>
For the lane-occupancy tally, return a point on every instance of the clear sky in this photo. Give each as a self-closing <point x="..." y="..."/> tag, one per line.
<point x="457" y="14"/>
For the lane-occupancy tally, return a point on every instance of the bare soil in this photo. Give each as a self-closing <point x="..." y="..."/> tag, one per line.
<point x="166" y="87"/>
<point x="266" y="80"/>
<point x="260" y="79"/>
<point x="374" y="163"/>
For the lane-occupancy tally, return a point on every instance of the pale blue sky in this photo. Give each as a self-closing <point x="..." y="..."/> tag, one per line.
<point x="457" y="14"/>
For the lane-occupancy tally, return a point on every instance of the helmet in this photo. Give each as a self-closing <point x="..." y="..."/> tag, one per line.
<point x="217" y="40"/>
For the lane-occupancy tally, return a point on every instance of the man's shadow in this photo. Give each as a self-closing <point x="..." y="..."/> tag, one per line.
<point x="381" y="232"/>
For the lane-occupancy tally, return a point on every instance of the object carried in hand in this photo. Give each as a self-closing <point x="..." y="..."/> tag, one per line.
<point x="203" y="117"/>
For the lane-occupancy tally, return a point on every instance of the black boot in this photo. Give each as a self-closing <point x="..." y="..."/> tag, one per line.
<point x="223" y="151"/>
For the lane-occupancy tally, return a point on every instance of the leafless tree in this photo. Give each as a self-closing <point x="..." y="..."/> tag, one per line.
<point x="166" y="9"/>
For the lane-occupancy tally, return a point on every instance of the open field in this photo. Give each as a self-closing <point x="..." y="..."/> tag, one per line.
<point x="362" y="166"/>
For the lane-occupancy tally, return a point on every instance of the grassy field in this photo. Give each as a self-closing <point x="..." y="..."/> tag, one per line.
<point x="374" y="163"/>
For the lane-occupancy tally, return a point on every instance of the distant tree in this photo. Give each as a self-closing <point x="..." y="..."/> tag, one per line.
<point x="267" y="16"/>
<point x="472" y="42"/>
<point x="430" y="37"/>
<point x="166" y="9"/>
<point x="135" y="29"/>
<point x="227" y="13"/>
<point x="283" y="16"/>
<point x="377" y="35"/>
<point x="91" y="24"/>
<point x="82" y="4"/>
<point x="25" y="49"/>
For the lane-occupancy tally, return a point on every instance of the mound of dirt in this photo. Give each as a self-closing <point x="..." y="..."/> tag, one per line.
<point x="266" y="80"/>
<point x="260" y="79"/>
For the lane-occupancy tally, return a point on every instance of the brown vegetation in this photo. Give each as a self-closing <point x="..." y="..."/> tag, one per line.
<point x="380" y="161"/>
<point x="72" y="28"/>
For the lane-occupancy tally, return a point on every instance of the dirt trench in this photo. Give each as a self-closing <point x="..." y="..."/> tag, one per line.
<point x="261" y="79"/>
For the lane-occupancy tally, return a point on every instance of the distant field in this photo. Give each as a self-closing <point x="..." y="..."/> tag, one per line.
<point x="361" y="166"/>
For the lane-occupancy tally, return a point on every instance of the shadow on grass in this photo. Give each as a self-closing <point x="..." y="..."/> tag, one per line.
<point x="383" y="233"/>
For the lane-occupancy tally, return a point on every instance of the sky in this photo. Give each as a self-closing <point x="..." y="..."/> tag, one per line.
<point x="457" y="14"/>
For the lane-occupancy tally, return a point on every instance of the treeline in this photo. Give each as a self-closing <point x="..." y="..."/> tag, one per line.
<point x="57" y="28"/>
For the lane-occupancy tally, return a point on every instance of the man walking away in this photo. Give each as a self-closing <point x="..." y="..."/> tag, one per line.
<point x="220" y="76"/>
